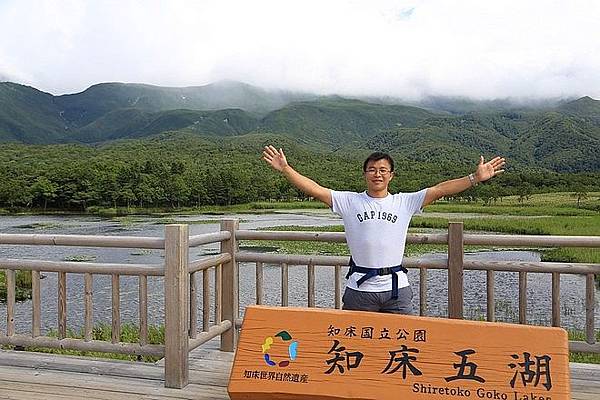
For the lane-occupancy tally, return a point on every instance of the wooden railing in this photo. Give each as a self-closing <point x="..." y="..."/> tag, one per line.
<point x="180" y="285"/>
<point x="181" y="331"/>
<point x="454" y="263"/>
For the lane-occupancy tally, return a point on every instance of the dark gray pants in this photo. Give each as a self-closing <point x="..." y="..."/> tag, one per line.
<point x="378" y="301"/>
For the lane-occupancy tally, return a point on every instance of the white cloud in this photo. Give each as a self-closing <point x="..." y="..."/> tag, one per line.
<point x="482" y="49"/>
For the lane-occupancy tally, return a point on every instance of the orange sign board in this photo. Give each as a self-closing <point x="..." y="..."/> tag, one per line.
<point x="307" y="353"/>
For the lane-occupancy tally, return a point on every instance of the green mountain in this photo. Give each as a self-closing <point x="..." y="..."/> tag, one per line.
<point x="98" y="100"/>
<point x="461" y="138"/>
<point x="337" y="122"/>
<point x="563" y="138"/>
<point x="133" y="123"/>
<point x="559" y="143"/>
<point x="29" y="115"/>
<point x="585" y="107"/>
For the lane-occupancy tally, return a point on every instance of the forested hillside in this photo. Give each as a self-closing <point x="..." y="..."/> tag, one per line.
<point x="112" y="110"/>
<point x="563" y="139"/>
<point x="179" y="169"/>
<point x="123" y="145"/>
<point x="29" y="116"/>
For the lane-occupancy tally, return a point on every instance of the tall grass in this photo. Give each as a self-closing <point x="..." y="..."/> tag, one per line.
<point x="557" y="225"/>
<point x="22" y="285"/>
<point x="589" y="358"/>
<point x="103" y="332"/>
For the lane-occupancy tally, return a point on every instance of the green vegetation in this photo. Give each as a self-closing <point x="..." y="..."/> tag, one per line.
<point x="168" y="152"/>
<point x="545" y="214"/>
<point x="129" y="334"/>
<point x="113" y="110"/>
<point x="541" y="204"/>
<point x="589" y="358"/>
<point x="187" y="172"/>
<point x="22" y="285"/>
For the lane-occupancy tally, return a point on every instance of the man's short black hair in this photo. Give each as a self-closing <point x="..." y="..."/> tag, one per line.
<point x="376" y="157"/>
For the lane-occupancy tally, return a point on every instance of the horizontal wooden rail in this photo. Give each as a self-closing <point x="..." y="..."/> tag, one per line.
<point x="409" y="262"/>
<point x="427" y="238"/>
<point x="82" y="267"/>
<point x="291" y="259"/>
<point x="84" y="241"/>
<point x="525" y="266"/>
<point x="82" y="345"/>
<point x="302" y="259"/>
<point x="438" y="238"/>
<point x="335" y="237"/>
<point x="213" y="331"/>
<point x="208" y="262"/>
<point x="207" y="238"/>
<point x="531" y="240"/>
<point x="583" y="347"/>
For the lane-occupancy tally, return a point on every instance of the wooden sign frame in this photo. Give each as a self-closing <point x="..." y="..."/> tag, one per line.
<point x="317" y="354"/>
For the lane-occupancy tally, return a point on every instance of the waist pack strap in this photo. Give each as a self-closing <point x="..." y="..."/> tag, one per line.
<point x="371" y="272"/>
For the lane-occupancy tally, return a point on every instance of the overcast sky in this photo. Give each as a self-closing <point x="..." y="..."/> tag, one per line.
<point x="413" y="48"/>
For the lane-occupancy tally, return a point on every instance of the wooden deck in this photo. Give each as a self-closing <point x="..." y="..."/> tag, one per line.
<point x="51" y="377"/>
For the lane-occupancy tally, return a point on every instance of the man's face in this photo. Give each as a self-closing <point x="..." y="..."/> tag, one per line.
<point x="378" y="175"/>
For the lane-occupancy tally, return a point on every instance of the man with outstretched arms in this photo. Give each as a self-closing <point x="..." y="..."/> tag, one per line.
<point x="376" y="223"/>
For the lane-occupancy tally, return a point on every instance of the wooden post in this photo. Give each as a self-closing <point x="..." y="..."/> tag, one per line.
<point x="116" y="309"/>
<point x="491" y="301"/>
<point x="206" y="300"/>
<point x="259" y="283"/>
<point x="230" y="285"/>
<point x="88" y="306"/>
<point x="143" y="309"/>
<point x="177" y="301"/>
<point x="556" y="299"/>
<point x="62" y="305"/>
<point x="590" y="302"/>
<point x="337" y="281"/>
<point x="218" y="293"/>
<point x="455" y="270"/>
<point x="522" y="297"/>
<point x="311" y="285"/>
<point x="193" y="307"/>
<point x="10" y="301"/>
<point x="422" y="291"/>
<point x="284" y="284"/>
<point x="36" y="312"/>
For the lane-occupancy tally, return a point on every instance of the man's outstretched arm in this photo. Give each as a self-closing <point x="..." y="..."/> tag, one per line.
<point x="484" y="172"/>
<point x="276" y="159"/>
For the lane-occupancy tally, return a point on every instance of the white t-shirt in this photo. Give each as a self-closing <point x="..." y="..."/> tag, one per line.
<point x="376" y="232"/>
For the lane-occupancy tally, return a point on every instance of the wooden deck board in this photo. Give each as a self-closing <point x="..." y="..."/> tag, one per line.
<point x="47" y="376"/>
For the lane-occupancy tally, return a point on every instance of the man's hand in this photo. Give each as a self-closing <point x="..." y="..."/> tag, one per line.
<point x="489" y="169"/>
<point x="485" y="171"/>
<point x="276" y="159"/>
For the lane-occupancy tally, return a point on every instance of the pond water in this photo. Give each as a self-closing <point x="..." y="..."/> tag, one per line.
<point x="538" y="288"/>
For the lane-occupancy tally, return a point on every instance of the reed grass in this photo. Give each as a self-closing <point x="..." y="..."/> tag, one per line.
<point x="103" y="332"/>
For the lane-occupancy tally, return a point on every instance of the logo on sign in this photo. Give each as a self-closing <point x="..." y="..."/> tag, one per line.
<point x="284" y="337"/>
